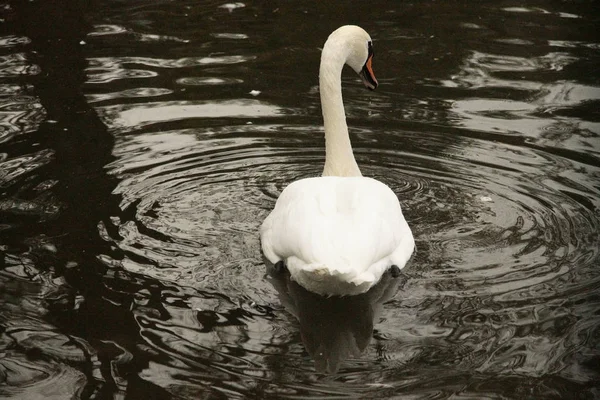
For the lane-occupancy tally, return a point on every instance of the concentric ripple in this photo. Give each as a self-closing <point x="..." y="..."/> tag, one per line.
<point x="502" y="242"/>
<point x="168" y="181"/>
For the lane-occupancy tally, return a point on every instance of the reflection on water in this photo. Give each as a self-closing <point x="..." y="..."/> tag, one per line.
<point x="336" y="328"/>
<point x="141" y="146"/>
<point x="139" y="116"/>
<point x="534" y="111"/>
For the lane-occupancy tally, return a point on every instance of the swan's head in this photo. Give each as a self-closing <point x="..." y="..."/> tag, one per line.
<point x="356" y="45"/>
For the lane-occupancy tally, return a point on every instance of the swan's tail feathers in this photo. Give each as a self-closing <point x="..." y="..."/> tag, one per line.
<point x="328" y="281"/>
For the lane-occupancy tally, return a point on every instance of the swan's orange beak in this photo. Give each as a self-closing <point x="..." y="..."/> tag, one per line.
<point x="366" y="74"/>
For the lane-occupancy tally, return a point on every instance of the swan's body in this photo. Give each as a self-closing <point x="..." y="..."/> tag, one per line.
<point x="337" y="234"/>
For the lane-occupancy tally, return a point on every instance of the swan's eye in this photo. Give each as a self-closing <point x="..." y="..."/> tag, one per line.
<point x="370" y="47"/>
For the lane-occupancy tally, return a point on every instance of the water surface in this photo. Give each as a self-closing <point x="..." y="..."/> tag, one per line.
<point x="143" y="143"/>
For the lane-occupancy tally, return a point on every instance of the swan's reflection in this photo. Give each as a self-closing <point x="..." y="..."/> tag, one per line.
<point x="334" y="329"/>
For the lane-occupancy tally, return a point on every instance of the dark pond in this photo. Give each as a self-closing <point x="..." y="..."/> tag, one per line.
<point x="143" y="142"/>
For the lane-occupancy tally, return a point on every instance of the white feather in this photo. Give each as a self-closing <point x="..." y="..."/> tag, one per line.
<point x="339" y="233"/>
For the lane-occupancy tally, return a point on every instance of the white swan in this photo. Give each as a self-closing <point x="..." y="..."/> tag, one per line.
<point x="337" y="234"/>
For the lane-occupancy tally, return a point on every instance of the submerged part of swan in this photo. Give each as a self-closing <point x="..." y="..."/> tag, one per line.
<point x="337" y="234"/>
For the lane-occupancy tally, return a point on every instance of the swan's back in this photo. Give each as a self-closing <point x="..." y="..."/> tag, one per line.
<point x="337" y="235"/>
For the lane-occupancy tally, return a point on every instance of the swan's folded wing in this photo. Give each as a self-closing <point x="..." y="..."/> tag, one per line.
<point x="343" y="224"/>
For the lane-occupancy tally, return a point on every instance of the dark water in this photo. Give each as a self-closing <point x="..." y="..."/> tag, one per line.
<point x="137" y="163"/>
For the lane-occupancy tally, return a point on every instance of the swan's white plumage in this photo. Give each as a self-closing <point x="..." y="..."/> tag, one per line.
<point x="338" y="234"/>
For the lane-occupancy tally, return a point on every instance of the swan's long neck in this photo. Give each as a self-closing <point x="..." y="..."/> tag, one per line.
<point x="339" y="158"/>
